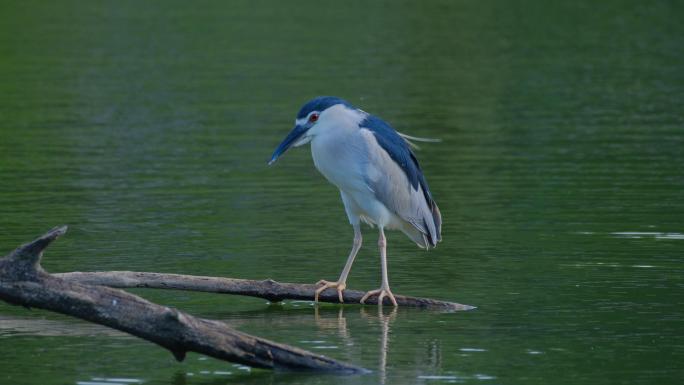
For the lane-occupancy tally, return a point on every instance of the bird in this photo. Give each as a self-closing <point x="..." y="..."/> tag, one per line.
<point x="377" y="173"/>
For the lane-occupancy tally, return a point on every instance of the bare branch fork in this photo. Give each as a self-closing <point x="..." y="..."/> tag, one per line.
<point x="23" y="282"/>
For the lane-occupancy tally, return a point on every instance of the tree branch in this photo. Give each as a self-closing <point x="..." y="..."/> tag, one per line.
<point x="23" y="282"/>
<point x="267" y="289"/>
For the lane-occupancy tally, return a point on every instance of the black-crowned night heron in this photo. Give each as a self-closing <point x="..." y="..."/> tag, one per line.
<point x="378" y="176"/>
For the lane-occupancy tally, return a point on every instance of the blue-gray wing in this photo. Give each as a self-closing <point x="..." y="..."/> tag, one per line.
<point x="397" y="181"/>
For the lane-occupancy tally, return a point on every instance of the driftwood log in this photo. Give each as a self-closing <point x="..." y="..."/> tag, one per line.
<point x="267" y="289"/>
<point x="24" y="282"/>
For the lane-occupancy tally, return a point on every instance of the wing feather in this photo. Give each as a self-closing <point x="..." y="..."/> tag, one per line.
<point x="397" y="181"/>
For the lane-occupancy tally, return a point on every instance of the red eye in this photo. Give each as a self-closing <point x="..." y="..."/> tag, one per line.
<point x="313" y="118"/>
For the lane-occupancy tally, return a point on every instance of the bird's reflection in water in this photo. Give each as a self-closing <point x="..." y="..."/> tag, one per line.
<point x="351" y="331"/>
<point x="339" y="323"/>
<point x="384" y="319"/>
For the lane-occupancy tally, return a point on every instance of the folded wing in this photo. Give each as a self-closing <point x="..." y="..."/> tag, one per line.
<point x="398" y="182"/>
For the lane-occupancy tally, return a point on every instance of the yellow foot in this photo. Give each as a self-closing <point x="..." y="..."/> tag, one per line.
<point x="339" y="285"/>
<point x="383" y="291"/>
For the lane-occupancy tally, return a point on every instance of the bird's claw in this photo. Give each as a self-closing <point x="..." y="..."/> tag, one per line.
<point x="383" y="292"/>
<point x="339" y="285"/>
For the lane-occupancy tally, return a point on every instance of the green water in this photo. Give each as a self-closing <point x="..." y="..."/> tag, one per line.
<point x="146" y="127"/>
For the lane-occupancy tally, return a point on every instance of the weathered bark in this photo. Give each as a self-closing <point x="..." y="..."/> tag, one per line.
<point x="23" y="282"/>
<point x="267" y="289"/>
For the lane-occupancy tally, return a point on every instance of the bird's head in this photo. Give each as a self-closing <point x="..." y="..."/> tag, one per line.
<point x="313" y="117"/>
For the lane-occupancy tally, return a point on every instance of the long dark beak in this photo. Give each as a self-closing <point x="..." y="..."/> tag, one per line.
<point x="289" y="140"/>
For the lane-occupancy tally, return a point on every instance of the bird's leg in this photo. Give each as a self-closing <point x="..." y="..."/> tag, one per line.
<point x="341" y="283"/>
<point x="384" y="290"/>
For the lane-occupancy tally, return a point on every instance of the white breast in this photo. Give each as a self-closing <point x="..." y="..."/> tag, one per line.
<point x="337" y="149"/>
<point x="340" y="158"/>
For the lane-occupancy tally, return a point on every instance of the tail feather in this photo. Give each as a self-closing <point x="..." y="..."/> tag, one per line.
<point x="429" y="232"/>
<point x="416" y="236"/>
<point x="437" y="217"/>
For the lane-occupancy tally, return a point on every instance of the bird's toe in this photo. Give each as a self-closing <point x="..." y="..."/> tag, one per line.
<point x="391" y="297"/>
<point x="368" y="294"/>
<point x="382" y="293"/>
<point x="340" y="289"/>
<point x="326" y="285"/>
